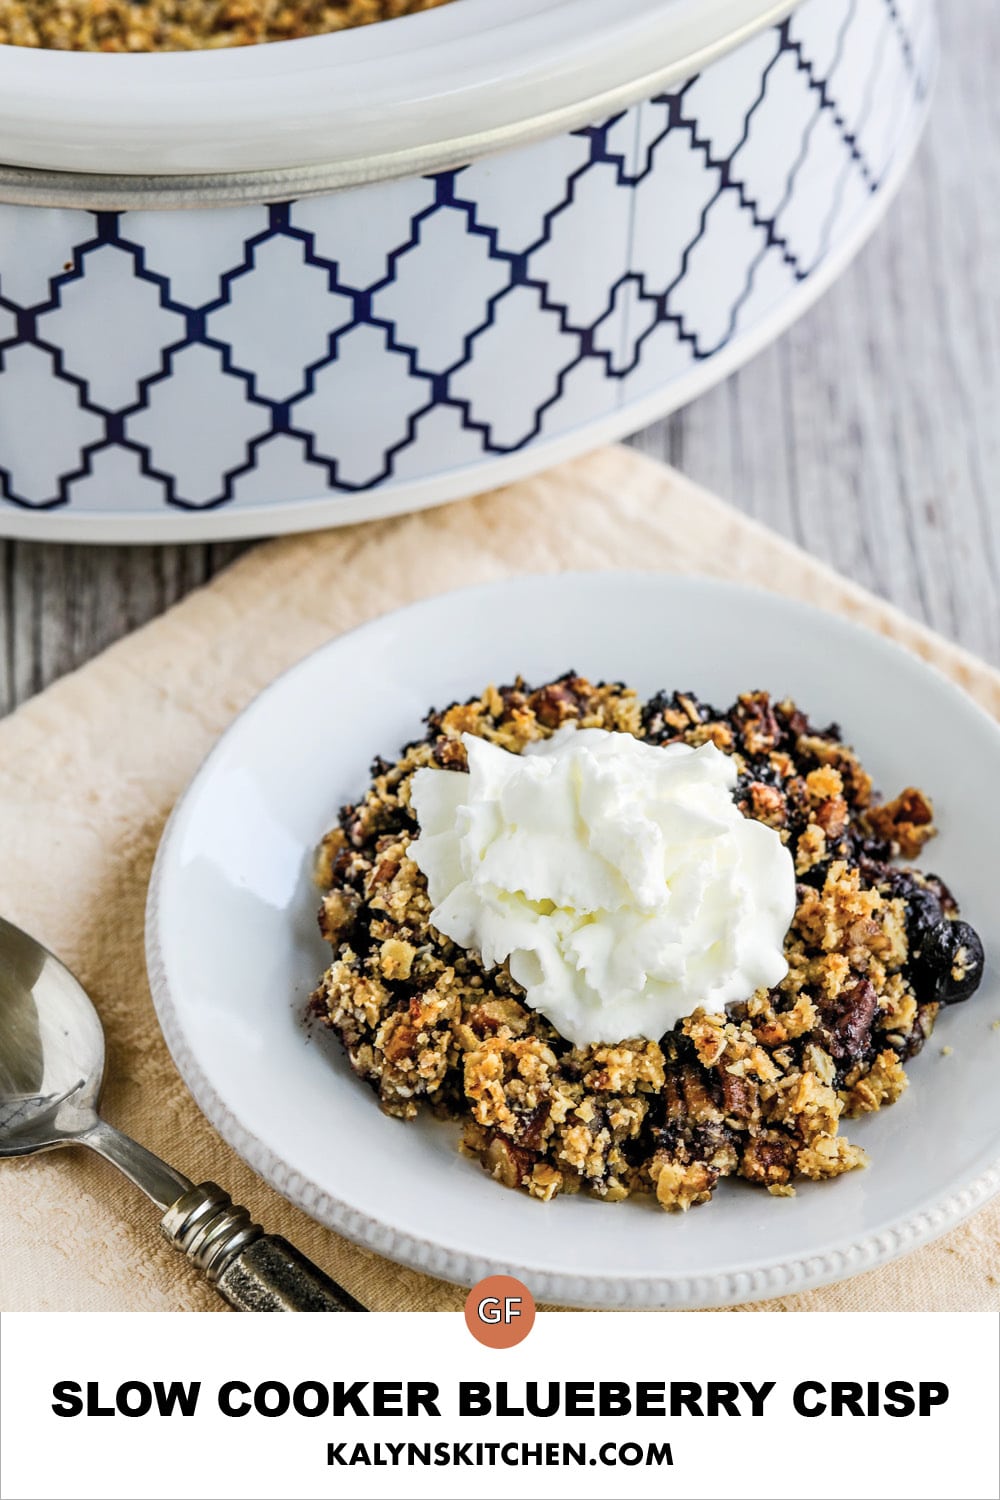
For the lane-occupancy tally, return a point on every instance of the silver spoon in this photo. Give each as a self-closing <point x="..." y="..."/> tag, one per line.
<point x="51" y="1070"/>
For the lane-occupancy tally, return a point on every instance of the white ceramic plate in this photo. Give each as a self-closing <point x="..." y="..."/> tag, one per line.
<point x="234" y="952"/>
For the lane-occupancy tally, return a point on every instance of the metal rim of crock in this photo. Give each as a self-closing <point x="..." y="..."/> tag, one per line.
<point x="37" y="188"/>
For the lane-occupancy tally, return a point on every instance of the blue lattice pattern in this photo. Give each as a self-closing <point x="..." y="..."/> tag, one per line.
<point x="367" y="338"/>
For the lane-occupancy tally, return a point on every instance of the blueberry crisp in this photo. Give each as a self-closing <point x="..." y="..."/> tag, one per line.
<point x="757" y="1088"/>
<point x="184" y="25"/>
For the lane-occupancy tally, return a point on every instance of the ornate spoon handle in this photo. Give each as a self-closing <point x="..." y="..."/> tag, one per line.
<point x="254" y="1271"/>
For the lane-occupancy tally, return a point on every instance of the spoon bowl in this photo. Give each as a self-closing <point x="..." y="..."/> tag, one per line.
<point x="51" y="1049"/>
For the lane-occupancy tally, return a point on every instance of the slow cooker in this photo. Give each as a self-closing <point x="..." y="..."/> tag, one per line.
<point x="271" y="288"/>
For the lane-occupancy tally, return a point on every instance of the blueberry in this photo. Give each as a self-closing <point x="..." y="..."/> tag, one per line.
<point x="923" y="916"/>
<point x="948" y="965"/>
<point x="815" y="876"/>
<point x="948" y="903"/>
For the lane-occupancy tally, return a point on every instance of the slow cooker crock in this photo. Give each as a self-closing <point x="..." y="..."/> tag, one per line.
<point x="301" y="284"/>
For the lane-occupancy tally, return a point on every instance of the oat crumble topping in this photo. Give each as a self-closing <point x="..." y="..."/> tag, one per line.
<point x="183" y="25"/>
<point x="874" y="950"/>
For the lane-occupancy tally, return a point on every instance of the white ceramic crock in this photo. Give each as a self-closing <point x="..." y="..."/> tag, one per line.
<point x="288" y="286"/>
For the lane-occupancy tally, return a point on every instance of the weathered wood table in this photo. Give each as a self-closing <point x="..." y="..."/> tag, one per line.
<point x="870" y="433"/>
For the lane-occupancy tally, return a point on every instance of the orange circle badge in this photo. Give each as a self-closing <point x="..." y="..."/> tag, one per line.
<point x="499" y="1311"/>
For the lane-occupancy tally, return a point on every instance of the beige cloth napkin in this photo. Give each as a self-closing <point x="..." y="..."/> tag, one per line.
<point x="90" y="769"/>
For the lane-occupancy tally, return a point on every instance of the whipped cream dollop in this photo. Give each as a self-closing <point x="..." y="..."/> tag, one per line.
<point x="619" y="879"/>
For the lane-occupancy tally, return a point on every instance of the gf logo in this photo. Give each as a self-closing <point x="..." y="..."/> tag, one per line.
<point x="500" y="1311"/>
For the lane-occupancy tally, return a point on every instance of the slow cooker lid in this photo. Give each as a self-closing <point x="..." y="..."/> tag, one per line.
<point x="407" y="96"/>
